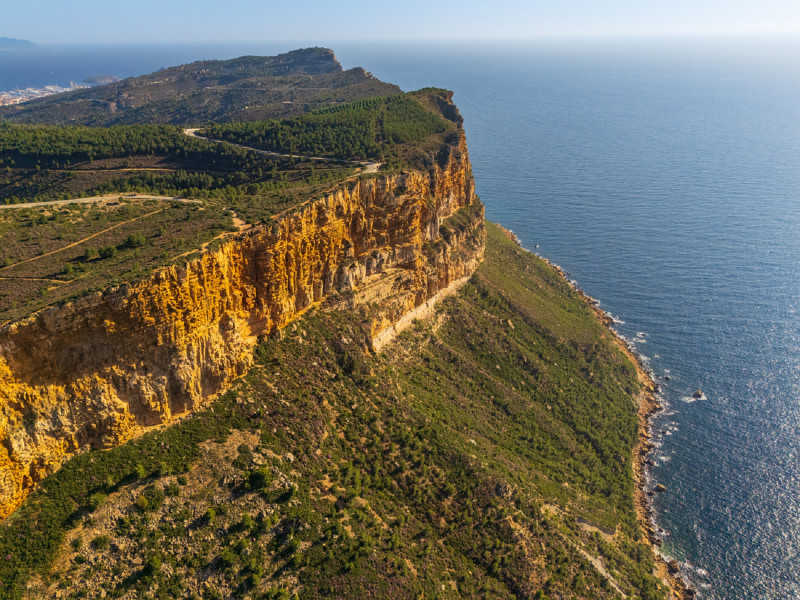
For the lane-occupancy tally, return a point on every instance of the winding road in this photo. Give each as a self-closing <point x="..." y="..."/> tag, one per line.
<point x="368" y="167"/>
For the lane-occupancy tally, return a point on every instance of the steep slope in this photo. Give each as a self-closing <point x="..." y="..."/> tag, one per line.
<point x="246" y="88"/>
<point x="93" y="372"/>
<point x="486" y="452"/>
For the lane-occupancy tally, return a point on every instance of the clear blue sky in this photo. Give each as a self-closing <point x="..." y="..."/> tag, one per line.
<point x="60" y="21"/>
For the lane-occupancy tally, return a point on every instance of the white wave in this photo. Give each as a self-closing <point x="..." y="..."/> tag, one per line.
<point x="692" y="399"/>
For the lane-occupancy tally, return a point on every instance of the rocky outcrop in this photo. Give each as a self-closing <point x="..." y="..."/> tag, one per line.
<point x="95" y="372"/>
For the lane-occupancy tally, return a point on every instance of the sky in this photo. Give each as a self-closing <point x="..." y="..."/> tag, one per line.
<point x="82" y="21"/>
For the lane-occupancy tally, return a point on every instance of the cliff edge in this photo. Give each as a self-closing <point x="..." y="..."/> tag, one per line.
<point x="95" y="372"/>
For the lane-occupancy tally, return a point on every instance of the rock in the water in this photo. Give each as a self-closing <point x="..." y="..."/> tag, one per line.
<point x="661" y="488"/>
<point x="698" y="394"/>
<point x="673" y="566"/>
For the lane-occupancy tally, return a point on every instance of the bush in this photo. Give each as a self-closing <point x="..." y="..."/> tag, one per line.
<point x="227" y="558"/>
<point x="154" y="495"/>
<point x="108" y="252"/>
<point x="260" y="479"/>
<point x="152" y="565"/>
<point x="135" y="240"/>
<point x="142" y="504"/>
<point x="97" y="500"/>
<point x="101" y="542"/>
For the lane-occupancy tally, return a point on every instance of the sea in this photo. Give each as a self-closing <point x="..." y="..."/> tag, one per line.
<point x="664" y="176"/>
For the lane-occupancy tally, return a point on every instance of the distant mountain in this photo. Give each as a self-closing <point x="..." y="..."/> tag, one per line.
<point x="12" y="44"/>
<point x="242" y="89"/>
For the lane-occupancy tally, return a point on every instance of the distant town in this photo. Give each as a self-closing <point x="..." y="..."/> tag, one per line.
<point x="24" y="95"/>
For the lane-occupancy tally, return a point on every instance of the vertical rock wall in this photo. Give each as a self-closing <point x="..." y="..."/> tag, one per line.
<point x="97" y="371"/>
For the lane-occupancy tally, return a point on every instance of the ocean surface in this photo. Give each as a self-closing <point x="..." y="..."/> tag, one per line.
<point x="665" y="178"/>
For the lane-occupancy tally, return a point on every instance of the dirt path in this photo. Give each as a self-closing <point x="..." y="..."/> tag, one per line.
<point x="86" y="239"/>
<point x="240" y="224"/>
<point x="367" y="167"/>
<point x="34" y="279"/>
<point x="94" y="199"/>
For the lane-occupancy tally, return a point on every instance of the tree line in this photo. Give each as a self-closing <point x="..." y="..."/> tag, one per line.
<point x="358" y="130"/>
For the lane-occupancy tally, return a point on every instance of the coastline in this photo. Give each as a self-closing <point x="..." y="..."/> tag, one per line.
<point x="647" y="407"/>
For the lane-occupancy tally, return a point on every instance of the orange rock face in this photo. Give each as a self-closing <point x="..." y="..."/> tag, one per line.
<point x="98" y="371"/>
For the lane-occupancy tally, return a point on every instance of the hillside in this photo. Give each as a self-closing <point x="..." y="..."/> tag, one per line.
<point x="241" y="89"/>
<point x="288" y="357"/>
<point x="484" y="453"/>
<point x="133" y="198"/>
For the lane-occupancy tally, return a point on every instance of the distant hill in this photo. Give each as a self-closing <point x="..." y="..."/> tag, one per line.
<point x="13" y="44"/>
<point x="242" y="89"/>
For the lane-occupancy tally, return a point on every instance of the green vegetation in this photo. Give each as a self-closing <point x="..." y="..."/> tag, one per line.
<point x="61" y="252"/>
<point x="245" y="88"/>
<point x="360" y="130"/>
<point x="39" y="163"/>
<point x="455" y="464"/>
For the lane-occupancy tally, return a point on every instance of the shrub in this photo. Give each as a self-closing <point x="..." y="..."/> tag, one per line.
<point x="142" y="504"/>
<point x="97" y="500"/>
<point x="260" y="478"/>
<point x="227" y="558"/>
<point x="135" y="240"/>
<point x="101" y="542"/>
<point x="154" y="495"/>
<point x="108" y="252"/>
<point x="152" y="565"/>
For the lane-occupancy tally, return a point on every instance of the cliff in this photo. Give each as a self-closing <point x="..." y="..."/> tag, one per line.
<point x="96" y="372"/>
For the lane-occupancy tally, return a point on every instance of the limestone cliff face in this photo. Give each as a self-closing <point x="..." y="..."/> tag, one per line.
<point x="94" y="373"/>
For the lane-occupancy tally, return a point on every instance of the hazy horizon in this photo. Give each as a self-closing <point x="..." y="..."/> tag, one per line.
<point x="207" y="21"/>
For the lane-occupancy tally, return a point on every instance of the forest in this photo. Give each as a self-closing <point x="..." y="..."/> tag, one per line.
<point x="359" y="130"/>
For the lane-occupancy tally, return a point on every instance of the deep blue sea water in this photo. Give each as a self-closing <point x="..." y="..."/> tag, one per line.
<point x="665" y="177"/>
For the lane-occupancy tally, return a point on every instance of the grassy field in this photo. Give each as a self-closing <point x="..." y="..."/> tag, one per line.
<point x="485" y="453"/>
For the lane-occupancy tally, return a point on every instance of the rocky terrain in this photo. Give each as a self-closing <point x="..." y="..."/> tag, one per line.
<point x="364" y="392"/>
<point x="242" y="89"/>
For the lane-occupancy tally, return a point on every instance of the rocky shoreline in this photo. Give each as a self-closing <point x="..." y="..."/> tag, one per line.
<point x="648" y="406"/>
